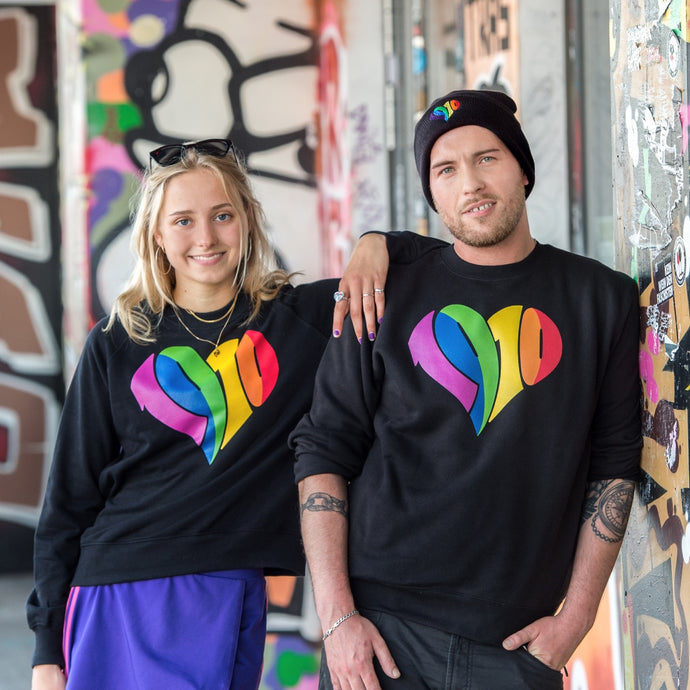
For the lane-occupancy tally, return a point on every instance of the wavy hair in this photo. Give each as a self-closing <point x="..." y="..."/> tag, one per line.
<point x="139" y="307"/>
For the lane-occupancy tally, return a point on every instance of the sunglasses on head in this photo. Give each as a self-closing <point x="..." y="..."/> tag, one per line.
<point x="174" y="153"/>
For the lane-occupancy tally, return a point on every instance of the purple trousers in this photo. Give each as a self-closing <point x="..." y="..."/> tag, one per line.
<point x="190" y="632"/>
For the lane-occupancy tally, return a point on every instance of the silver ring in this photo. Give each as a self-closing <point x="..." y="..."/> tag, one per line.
<point x="367" y="294"/>
<point x="339" y="295"/>
<point x="378" y="290"/>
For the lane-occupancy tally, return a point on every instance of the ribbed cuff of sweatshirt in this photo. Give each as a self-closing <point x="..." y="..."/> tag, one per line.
<point x="48" y="648"/>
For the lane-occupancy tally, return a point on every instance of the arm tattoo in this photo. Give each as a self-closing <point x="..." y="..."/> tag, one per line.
<point x="608" y="505"/>
<point x="319" y="501"/>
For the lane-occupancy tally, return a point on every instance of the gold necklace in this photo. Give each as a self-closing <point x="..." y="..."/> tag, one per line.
<point x="216" y="350"/>
<point x="220" y="318"/>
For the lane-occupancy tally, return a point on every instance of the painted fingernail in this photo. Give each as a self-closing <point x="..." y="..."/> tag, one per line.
<point x="372" y="335"/>
<point x="336" y="333"/>
<point x="380" y="319"/>
<point x="360" y="340"/>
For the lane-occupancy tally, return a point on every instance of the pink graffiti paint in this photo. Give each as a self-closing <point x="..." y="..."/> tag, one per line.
<point x="106" y="154"/>
<point x="647" y="376"/>
<point x="684" y="122"/>
<point x="334" y="173"/>
<point x="653" y="342"/>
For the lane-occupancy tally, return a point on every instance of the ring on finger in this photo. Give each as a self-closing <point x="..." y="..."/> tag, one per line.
<point x="378" y="290"/>
<point x="339" y="295"/>
<point x="367" y="294"/>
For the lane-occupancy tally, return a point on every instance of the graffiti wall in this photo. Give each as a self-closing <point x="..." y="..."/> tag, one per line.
<point x="650" y="123"/>
<point x="492" y="47"/>
<point x="30" y="309"/>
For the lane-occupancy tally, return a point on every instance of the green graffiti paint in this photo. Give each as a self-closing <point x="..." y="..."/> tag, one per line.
<point x="292" y="667"/>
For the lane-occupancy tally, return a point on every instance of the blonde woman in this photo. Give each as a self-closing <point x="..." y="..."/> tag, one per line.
<point x="171" y="493"/>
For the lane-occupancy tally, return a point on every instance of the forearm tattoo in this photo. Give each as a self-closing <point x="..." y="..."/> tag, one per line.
<point x="608" y="505"/>
<point x="319" y="501"/>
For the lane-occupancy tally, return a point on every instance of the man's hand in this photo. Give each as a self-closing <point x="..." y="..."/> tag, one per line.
<point x="362" y="287"/>
<point x="350" y="651"/>
<point x="552" y="639"/>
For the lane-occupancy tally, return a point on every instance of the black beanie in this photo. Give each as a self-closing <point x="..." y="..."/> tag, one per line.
<point x="493" y="110"/>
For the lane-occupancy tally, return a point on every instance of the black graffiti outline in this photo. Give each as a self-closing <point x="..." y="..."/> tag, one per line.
<point x="147" y="65"/>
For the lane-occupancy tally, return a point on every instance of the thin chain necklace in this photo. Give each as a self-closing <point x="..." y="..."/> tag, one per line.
<point x="216" y="320"/>
<point x="216" y="350"/>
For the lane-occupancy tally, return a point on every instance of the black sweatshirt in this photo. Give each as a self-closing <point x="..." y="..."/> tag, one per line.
<point x="469" y="429"/>
<point x="170" y="460"/>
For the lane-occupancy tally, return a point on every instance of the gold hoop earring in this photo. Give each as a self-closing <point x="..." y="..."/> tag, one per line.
<point x="165" y="273"/>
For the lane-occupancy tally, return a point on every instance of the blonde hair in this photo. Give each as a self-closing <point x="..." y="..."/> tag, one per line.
<point x="139" y="307"/>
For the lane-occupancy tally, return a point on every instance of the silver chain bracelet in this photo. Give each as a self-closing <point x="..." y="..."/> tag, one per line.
<point x="330" y="630"/>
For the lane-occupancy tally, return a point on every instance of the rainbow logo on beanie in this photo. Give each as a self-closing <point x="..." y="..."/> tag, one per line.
<point x="443" y="112"/>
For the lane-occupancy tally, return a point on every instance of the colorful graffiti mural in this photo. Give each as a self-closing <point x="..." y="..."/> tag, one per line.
<point x="650" y="109"/>
<point x="31" y="384"/>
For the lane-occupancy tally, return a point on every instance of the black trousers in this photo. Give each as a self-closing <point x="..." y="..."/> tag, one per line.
<point x="435" y="660"/>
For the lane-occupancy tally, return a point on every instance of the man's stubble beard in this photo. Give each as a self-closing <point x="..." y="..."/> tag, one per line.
<point x="493" y="230"/>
